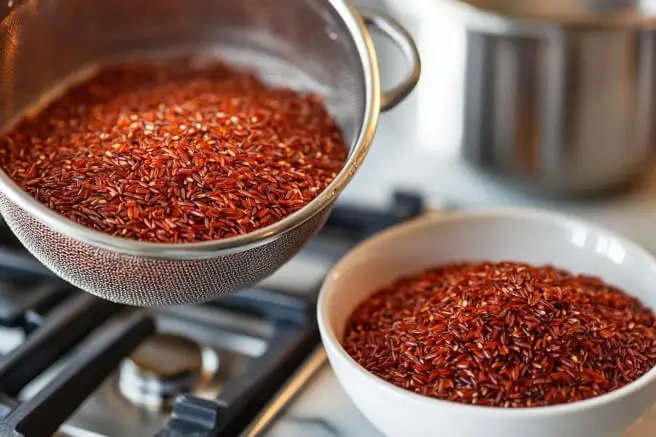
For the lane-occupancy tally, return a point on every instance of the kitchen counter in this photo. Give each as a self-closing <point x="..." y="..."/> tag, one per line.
<point x="323" y="408"/>
<point x="417" y="147"/>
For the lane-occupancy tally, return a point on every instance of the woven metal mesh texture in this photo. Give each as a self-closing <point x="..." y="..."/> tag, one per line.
<point x="143" y="281"/>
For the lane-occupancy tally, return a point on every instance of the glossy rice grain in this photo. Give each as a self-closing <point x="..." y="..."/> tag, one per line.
<point x="503" y="335"/>
<point x="175" y="151"/>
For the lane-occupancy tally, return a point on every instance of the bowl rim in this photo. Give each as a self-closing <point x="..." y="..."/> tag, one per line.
<point x="335" y="349"/>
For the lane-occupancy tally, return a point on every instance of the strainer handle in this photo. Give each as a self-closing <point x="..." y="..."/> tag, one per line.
<point x="393" y="30"/>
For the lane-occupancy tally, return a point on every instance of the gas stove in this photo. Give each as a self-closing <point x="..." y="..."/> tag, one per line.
<point x="72" y="365"/>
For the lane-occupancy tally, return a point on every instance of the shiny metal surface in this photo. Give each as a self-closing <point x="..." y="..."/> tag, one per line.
<point x="571" y="12"/>
<point x="163" y="367"/>
<point x="287" y="394"/>
<point x="236" y="338"/>
<point x="404" y="41"/>
<point x="320" y="46"/>
<point x="559" y="108"/>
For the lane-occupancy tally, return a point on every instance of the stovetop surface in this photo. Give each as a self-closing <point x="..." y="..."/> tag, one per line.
<point x="79" y="366"/>
<point x="230" y="344"/>
<point x="73" y="354"/>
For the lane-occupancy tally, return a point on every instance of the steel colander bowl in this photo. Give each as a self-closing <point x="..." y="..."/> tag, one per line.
<point x="308" y="45"/>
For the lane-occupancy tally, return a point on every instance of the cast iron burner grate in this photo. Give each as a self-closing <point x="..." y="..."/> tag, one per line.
<point x="97" y="335"/>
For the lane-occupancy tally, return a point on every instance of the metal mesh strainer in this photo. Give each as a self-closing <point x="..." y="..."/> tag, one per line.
<point x="323" y="46"/>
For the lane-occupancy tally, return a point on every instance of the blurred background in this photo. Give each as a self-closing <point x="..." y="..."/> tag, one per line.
<point x="557" y="99"/>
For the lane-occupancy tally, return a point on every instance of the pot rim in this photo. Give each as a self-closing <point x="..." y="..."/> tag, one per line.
<point x="545" y="23"/>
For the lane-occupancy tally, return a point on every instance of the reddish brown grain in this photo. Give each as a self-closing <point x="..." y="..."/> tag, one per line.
<point x="504" y="335"/>
<point x="175" y="151"/>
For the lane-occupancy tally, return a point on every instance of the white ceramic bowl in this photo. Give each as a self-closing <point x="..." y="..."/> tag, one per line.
<point x="510" y="234"/>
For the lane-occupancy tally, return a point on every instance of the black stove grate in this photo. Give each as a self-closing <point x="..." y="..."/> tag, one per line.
<point x="59" y="320"/>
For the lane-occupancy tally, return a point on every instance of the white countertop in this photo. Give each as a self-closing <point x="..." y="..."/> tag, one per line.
<point x="323" y="408"/>
<point x="417" y="147"/>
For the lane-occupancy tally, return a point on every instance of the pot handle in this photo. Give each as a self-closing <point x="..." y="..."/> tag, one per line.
<point x="393" y="30"/>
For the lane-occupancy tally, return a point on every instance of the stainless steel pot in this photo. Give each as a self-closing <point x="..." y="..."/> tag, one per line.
<point x="559" y="95"/>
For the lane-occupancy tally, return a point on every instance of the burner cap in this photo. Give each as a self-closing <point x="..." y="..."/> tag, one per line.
<point x="163" y="367"/>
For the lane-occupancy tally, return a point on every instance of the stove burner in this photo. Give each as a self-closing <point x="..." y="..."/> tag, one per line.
<point x="163" y="367"/>
<point x="223" y="390"/>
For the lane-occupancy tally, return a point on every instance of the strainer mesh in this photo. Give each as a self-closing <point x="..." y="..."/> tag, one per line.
<point x="301" y="44"/>
<point x="143" y="281"/>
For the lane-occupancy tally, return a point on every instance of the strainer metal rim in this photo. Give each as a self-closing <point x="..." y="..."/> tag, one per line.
<point x="360" y="36"/>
